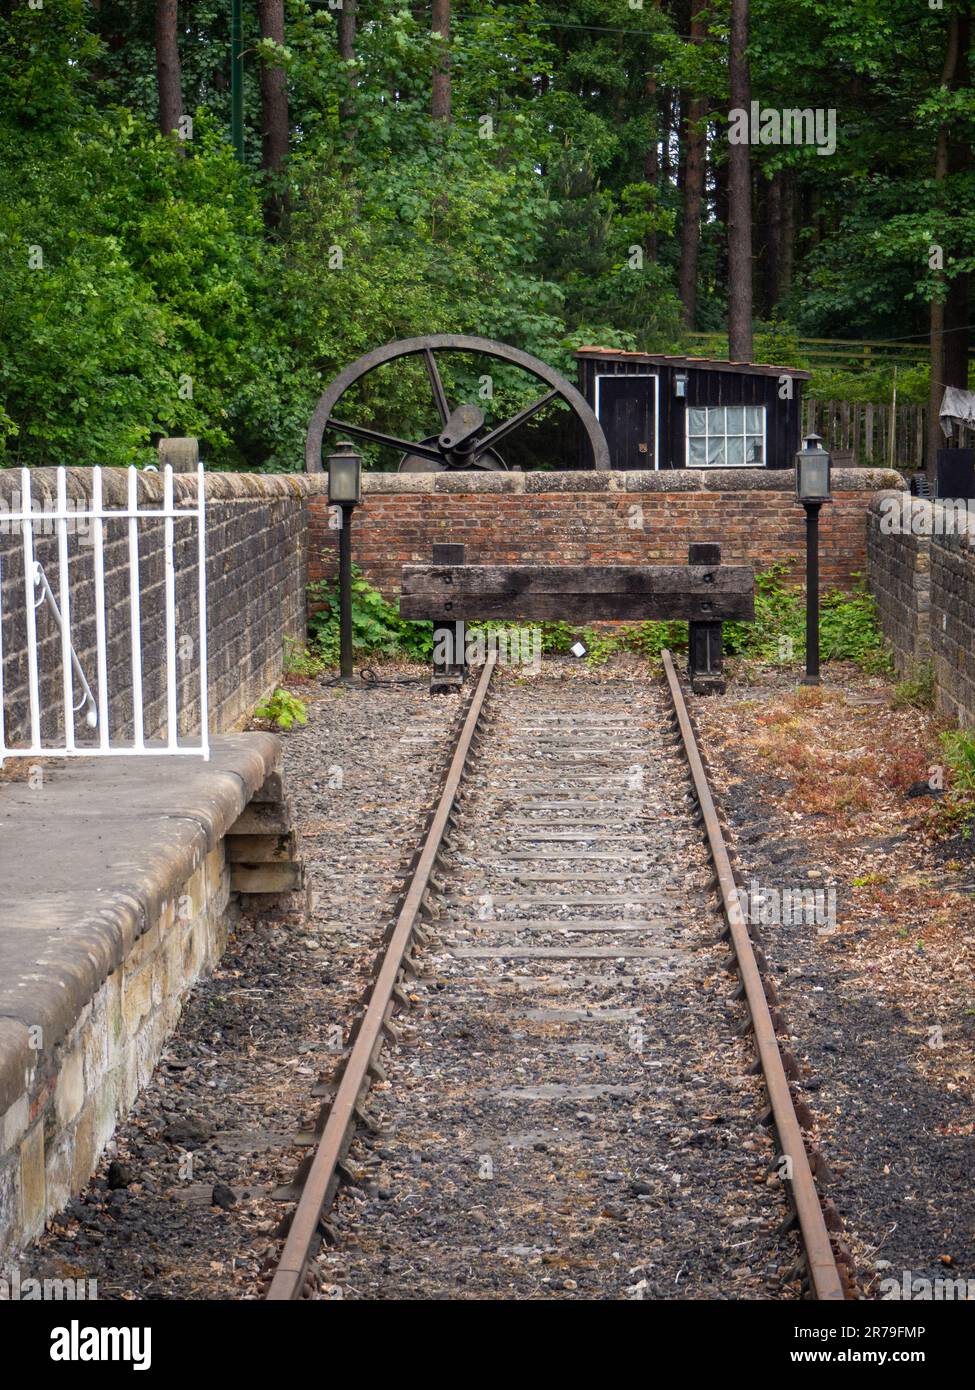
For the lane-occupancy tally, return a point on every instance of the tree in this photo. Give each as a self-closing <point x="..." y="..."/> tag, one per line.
<point x="274" y="112"/>
<point x="347" y="17"/>
<point x="942" y="168"/>
<point x="441" y="73"/>
<point x="695" y="148"/>
<point x="957" y="336"/>
<point x="739" y="196"/>
<point x="168" y="74"/>
<point x="347" y="27"/>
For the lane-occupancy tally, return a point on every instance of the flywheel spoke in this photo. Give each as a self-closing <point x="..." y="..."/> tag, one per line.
<point x="439" y="394"/>
<point x="405" y="446"/>
<point x="501" y="431"/>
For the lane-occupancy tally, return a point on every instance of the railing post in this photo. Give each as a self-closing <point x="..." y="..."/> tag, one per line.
<point x="449" y="637"/>
<point x="705" y="646"/>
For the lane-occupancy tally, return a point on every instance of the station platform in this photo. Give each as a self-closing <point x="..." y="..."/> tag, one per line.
<point x="121" y="877"/>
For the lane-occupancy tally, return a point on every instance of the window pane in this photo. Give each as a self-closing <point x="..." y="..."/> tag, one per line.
<point x="715" y="419"/>
<point x="736" y="419"/>
<point x="697" y="455"/>
<point x="735" y="450"/>
<point x="755" y="449"/>
<point x="716" y="454"/>
<point x="695" y="420"/>
<point x="755" y="417"/>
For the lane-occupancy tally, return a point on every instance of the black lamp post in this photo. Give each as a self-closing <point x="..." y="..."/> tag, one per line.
<point x="812" y="490"/>
<point x="345" y="492"/>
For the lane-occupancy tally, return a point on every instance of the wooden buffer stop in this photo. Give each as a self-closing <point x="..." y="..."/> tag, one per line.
<point x="704" y="592"/>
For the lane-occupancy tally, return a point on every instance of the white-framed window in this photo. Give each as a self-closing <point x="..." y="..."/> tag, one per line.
<point x="726" y="436"/>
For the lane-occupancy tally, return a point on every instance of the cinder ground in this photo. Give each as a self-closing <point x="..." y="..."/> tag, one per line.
<point x="579" y="1199"/>
<point x="822" y="788"/>
<point x="180" y="1206"/>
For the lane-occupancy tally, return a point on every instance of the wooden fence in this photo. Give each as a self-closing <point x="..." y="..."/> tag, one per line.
<point x="864" y="428"/>
<point x="849" y="354"/>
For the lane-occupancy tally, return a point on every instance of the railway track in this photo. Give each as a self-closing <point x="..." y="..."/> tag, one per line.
<point x="573" y="1107"/>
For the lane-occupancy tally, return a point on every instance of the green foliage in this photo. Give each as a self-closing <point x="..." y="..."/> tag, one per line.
<point x="301" y="661"/>
<point x="599" y="646"/>
<point x="282" y="709"/>
<point x="834" y="384"/>
<point x="959" y="747"/>
<point x="917" y="690"/>
<point x="780" y="625"/>
<point x="545" y="213"/>
<point x="956" y="813"/>
<point x="377" y="628"/>
<point x="649" y="639"/>
<point x="850" y="631"/>
<point x="848" y="626"/>
<point x="557" y="638"/>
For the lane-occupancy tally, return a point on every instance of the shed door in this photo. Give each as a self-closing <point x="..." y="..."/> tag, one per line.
<point x="627" y="410"/>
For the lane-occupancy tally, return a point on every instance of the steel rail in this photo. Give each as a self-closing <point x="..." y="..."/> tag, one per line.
<point x="823" y="1273"/>
<point x="288" y="1281"/>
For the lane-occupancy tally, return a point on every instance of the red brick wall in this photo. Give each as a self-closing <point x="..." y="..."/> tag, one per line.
<point x="757" y="527"/>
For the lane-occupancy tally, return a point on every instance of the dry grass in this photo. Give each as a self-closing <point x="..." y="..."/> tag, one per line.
<point x="838" y="754"/>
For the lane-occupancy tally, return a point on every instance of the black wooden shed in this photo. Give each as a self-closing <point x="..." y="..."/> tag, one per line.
<point x="692" y="412"/>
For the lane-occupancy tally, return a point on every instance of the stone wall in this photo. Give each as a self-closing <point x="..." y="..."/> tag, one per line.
<point x="121" y="881"/>
<point x="55" y="1126"/>
<point x="953" y="622"/>
<point x="899" y="576"/>
<point x="600" y="518"/>
<point x="921" y="569"/>
<point x="256" y="578"/>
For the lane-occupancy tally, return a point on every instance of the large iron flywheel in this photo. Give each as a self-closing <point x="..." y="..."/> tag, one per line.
<point x="465" y="440"/>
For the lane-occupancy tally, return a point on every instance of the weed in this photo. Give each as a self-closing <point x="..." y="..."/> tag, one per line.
<point x="300" y="662"/>
<point x="376" y="624"/>
<point x="848" y="626"/>
<point x="916" y="691"/>
<point x="282" y="709"/>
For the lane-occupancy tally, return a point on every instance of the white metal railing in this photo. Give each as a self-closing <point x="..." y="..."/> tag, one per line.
<point x="38" y="591"/>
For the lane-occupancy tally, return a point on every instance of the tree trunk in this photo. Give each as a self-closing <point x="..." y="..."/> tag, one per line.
<point x="788" y="243"/>
<point x="667" y="126"/>
<point x="739" y="197"/>
<point x="935" y="435"/>
<point x="695" y="141"/>
<point x="773" y="243"/>
<point x="957" y="332"/>
<point x="720" y="212"/>
<point x="957" y="305"/>
<point x="274" y="114"/>
<point x="651" y="160"/>
<point x="169" y="78"/>
<point x="441" y="72"/>
<point x="695" y="154"/>
<point x="347" y="31"/>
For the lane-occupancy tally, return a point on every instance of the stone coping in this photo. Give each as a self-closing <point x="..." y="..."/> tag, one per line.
<point x="88" y="859"/>
<point x="668" y="480"/>
<point x="925" y="518"/>
<point x="247" y="487"/>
